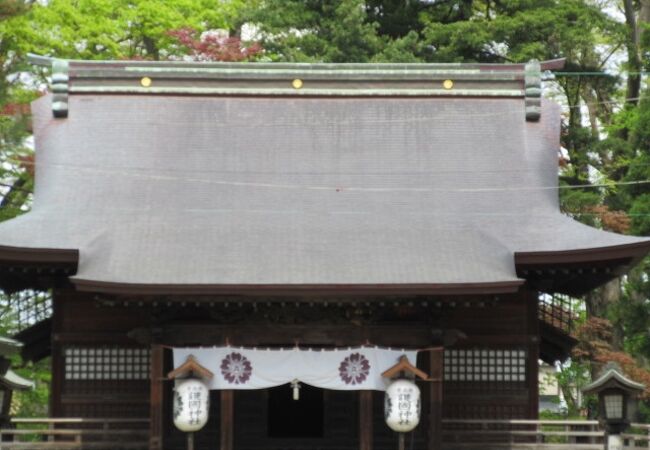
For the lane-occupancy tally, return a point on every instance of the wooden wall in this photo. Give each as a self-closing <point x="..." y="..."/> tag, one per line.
<point x="80" y="324"/>
<point x="508" y="323"/>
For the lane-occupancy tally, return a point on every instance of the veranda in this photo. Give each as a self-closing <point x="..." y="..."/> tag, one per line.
<point x="133" y="434"/>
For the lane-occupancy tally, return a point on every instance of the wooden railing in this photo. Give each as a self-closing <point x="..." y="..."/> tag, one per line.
<point x="522" y="434"/>
<point x="75" y="433"/>
<point x="557" y="310"/>
<point x="637" y="437"/>
<point x="132" y="434"/>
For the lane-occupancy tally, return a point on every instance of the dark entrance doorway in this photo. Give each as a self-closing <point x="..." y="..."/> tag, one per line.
<point x="289" y="418"/>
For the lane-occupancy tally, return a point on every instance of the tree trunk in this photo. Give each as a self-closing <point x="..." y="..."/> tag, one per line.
<point x="633" y="57"/>
<point x="568" y="392"/>
<point x="150" y="46"/>
<point x="591" y="101"/>
<point x="599" y="302"/>
<point x="644" y="13"/>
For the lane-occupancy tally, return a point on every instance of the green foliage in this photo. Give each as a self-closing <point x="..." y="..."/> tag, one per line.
<point x="643" y="414"/>
<point x="635" y="315"/>
<point x="403" y="50"/>
<point x="397" y="18"/>
<point x="33" y="402"/>
<point x="572" y="377"/>
<point x="551" y="415"/>
<point x="640" y="126"/>
<point x="411" y="31"/>
<point x="640" y="214"/>
<point x="334" y="31"/>
<point x="636" y="196"/>
<point x="578" y="203"/>
<point x="368" y="31"/>
<point x="516" y="30"/>
<point x="113" y="29"/>
<point x="15" y="180"/>
<point x="459" y="41"/>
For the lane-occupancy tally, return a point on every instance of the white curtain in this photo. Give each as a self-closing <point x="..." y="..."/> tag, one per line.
<point x="356" y="368"/>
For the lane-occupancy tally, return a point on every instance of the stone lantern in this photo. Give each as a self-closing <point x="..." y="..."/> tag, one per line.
<point x="10" y="381"/>
<point x="617" y="402"/>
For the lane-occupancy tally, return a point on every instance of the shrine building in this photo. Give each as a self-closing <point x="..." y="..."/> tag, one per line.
<point x="301" y="222"/>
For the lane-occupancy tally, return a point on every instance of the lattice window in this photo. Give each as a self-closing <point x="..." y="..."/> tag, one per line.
<point x="485" y="365"/>
<point x="106" y="363"/>
<point x="26" y="308"/>
<point x="559" y="311"/>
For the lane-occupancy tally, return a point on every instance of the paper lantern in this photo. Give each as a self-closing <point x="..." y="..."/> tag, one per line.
<point x="191" y="404"/>
<point x="402" y="406"/>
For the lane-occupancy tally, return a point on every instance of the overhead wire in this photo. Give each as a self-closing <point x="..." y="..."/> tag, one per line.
<point x="132" y="173"/>
<point x="337" y="187"/>
<point x="597" y="74"/>
<point x="324" y="124"/>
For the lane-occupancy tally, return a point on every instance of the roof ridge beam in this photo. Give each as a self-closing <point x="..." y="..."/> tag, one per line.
<point x="71" y="77"/>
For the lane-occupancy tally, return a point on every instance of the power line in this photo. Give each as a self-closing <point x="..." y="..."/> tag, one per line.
<point x="340" y="188"/>
<point x="595" y="74"/>
<point x="323" y="124"/>
<point x="601" y="74"/>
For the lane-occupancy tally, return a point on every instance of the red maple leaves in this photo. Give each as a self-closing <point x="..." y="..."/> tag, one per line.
<point x="215" y="45"/>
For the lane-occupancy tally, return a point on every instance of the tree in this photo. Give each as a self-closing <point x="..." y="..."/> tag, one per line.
<point x="606" y="137"/>
<point x="92" y="29"/>
<point x="334" y="31"/>
<point x="15" y="171"/>
<point x="113" y="29"/>
<point x="215" y="46"/>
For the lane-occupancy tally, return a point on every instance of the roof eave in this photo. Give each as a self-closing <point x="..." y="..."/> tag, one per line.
<point x="575" y="272"/>
<point x="633" y="251"/>
<point x="613" y="377"/>
<point x="10" y="254"/>
<point x="290" y="290"/>
<point x="15" y="382"/>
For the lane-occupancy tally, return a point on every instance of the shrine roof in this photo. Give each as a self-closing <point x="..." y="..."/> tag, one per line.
<point x="237" y="179"/>
<point x="9" y="346"/>
<point x="15" y="382"/>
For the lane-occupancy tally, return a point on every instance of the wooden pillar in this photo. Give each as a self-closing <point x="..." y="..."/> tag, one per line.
<point x="365" y="420"/>
<point x="435" y="398"/>
<point x="57" y="358"/>
<point x="156" y="398"/>
<point x="532" y="369"/>
<point x="227" y="419"/>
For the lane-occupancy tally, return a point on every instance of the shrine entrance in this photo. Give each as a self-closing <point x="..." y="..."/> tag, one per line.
<point x="295" y="412"/>
<point x="293" y="415"/>
<point x="346" y="420"/>
<point x="271" y="419"/>
<point x="319" y="419"/>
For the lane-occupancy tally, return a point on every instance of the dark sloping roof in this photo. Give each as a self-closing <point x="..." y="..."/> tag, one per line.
<point x="8" y="377"/>
<point x="15" y="382"/>
<point x="612" y="376"/>
<point x="9" y="346"/>
<point x="231" y="194"/>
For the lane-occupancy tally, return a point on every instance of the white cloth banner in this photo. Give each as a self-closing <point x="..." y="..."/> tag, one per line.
<point x="343" y="369"/>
